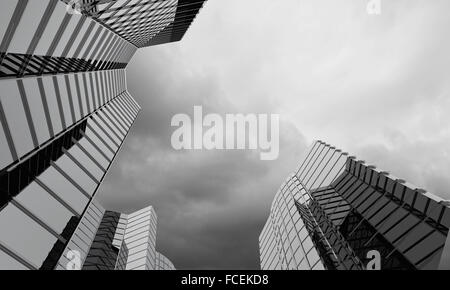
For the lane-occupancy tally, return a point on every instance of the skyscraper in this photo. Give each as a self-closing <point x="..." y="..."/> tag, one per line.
<point x="114" y="241"/>
<point x="65" y="112"/>
<point x="336" y="212"/>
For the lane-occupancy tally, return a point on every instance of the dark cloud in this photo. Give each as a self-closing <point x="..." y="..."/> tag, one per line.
<point x="211" y="205"/>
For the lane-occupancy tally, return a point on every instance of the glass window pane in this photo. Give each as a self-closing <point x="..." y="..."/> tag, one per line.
<point x="94" y="152"/>
<point x="26" y="237"/>
<point x="15" y="115"/>
<point x="52" y="104"/>
<point x="64" y="189"/>
<point x="85" y="45"/>
<point x="27" y="26"/>
<point x="74" y="94"/>
<point x="36" y="109"/>
<point x="92" y="51"/>
<point x="79" y="37"/>
<point x="102" y="134"/>
<point x="5" y="154"/>
<point x="44" y="206"/>
<point x="99" y="143"/>
<point x="90" y="95"/>
<point x="77" y="174"/>
<point x="5" y="15"/>
<point x="119" y="124"/>
<point x="9" y="263"/>
<point x="50" y="32"/>
<point x="65" y="100"/>
<point x="86" y="162"/>
<point x="66" y="35"/>
<point x="93" y="84"/>
<point x="312" y="256"/>
<point x="107" y="124"/>
<point x="118" y="110"/>
<point x="79" y="81"/>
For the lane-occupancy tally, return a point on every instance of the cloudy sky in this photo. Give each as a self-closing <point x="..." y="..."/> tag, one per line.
<point x="375" y="86"/>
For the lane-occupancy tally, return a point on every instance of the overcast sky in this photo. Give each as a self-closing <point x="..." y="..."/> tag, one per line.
<point x="375" y="86"/>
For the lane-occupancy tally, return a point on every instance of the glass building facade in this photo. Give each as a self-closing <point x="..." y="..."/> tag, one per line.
<point x="145" y="22"/>
<point x="65" y="112"/>
<point x="336" y="212"/>
<point x="108" y="240"/>
<point x="140" y="238"/>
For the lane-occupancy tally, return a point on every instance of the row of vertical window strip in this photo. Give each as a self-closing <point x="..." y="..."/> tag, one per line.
<point x="185" y="14"/>
<point x="126" y="110"/>
<point x="35" y="110"/>
<point x="137" y="22"/>
<point x="13" y="181"/>
<point x="20" y="65"/>
<point x="146" y="23"/>
<point x="141" y="31"/>
<point x="44" y="207"/>
<point x="322" y="166"/>
<point x="44" y="28"/>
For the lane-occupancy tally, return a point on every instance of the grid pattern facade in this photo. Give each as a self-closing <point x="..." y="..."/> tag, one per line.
<point x="145" y="22"/>
<point x="34" y="111"/>
<point x="40" y="37"/>
<point x="63" y="184"/>
<point x="335" y="209"/>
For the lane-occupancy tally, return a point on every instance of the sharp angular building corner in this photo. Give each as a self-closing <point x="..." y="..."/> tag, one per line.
<point x="65" y="112"/>
<point x="338" y="213"/>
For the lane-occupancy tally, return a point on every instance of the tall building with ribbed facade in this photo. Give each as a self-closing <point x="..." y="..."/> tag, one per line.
<point x="114" y="241"/>
<point x="336" y="212"/>
<point x="144" y="22"/>
<point x="65" y="112"/>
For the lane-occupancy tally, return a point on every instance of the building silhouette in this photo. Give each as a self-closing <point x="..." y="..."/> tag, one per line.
<point x="335" y="212"/>
<point x="65" y="112"/>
